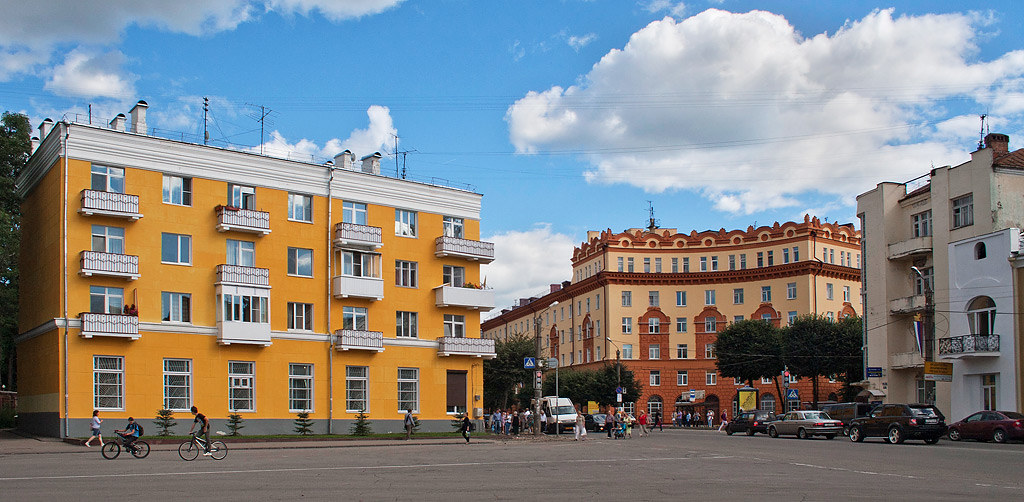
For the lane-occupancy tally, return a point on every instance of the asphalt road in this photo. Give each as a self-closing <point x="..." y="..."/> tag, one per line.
<point x="670" y="465"/>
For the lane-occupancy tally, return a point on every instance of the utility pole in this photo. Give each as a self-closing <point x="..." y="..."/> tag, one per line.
<point x="929" y="315"/>
<point x="537" y="381"/>
<point x="206" y="109"/>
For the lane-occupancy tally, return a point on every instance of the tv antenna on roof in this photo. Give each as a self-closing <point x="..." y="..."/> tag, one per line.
<point x="652" y="223"/>
<point x="403" y="153"/>
<point x="263" y="116"/>
<point x="981" y="135"/>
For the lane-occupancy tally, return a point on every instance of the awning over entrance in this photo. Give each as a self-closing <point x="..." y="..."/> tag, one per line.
<point x="871" y="393"/>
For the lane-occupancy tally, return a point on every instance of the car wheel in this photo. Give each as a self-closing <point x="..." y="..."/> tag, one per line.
<point x="895" y="435"/>
<point x="999" y="436"/>
<point x="855" y="435"/>
<point x="750" y="432"/>
<point x="954" y="435"/>
<point x="846" y="431"/>
<point x="931" y="440"/>
<point x="728" y="431"/>
<point x="772" y="432"/>
<point x="801" y="433"/>
<point x="830" y="436"/>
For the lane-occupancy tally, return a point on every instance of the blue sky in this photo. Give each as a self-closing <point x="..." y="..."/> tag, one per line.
<point x="567" y="115"/>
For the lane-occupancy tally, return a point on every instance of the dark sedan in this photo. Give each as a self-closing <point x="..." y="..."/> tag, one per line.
<point x="596" y="422"/>
<point x="998" y="426"/>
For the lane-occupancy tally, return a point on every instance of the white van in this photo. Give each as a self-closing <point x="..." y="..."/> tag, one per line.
<point x="559" y="410"/>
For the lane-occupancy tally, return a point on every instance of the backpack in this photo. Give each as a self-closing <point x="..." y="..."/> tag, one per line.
<point x="141" y="430"/>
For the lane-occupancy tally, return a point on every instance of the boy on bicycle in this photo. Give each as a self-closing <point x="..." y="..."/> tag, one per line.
<point x="204" y="428"/>
<point x="129" y="434"/>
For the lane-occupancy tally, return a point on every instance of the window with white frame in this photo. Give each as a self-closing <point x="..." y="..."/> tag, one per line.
<point x="682" y="351"/>
<point x="300" y="316"/>
<point x="771" y="258"/>
<point x="732" y="262"/>
<point x="355" y="318"/>
<point x="353" y="212"/>
<point x="686" y="264"/>
<point x="785" y="255"/>
<point x="108" y="382"/>
<point x="709" y="297"/>
<point x="737" y="318"/>
<point x="923" y="285"/>
<point x="175" y="307"/>
<point x="657" y="265"/>
<point x="829" y="291"/>
<point x="647" y="265"/>
<point x="358" y="264"/>
<point x="737" y="296"/>
<point x="743" y="261"/>
<point x="711" y="377"/>
<point x="405" y="223"/>
<point x="766" y="293"/>
<point x="652" y="299"/>
<point x="107" y="179"/>
<point x="107" y="239"/>
<point x="629" y="265"/>
<point x="710" y="324"/>
<point x="300" y="262"/>
<point x="627" y="325"/>
<point x="454" y="227"/>
<point x="408" y="389"/>
<point x="241" y="390"/>
<point x="680" y="325"/>
<point x="714" y="263"/>
<point x="963" y="211"/>
<point x="620" y="264"/>
<point x="627" y="351"/>
<point x="357" y="389"/>
<point x="682" y="378"/>
<point x="709" y="351"/>
<point x="406" y="324"/>
<point x="766" y="380"/>
<point x="627" y="298"/>
<point x="177" y="384"/>
<point x="654" y="351"/>
<point x="246" y="308"/>
<point x="922" y="223"/>
<point x="790" y="290"/>
<point x="653" y="325"/>
<point x="406" y="273"/>
<point x="177" y="190"/>
<point x="175" y="249"/>
<point x="655" y="378"/>
<point x="300" y="387"/>
<point x="241" y="253"/>
<point x="104" y="300"/>
<point x="300" y="207"/>
<point x="455" y="325"/>
<point x="242" y="197"/>
<point x="680" y="298"/>
<point x="675" y="265"/>
<point x="760" y="258"/>
<point x="791" y="317"/>
<point x="453" y="276"/>
<point x="703" y="263"/>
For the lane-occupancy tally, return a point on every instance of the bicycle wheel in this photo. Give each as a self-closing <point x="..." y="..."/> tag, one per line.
<point x="110" y="450"/>
<point x="141" y="449"/>
<point x="218" y="450"/>
<point x="188" y="450"/>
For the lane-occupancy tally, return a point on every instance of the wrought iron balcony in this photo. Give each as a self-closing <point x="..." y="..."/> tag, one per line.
<point x="238" y="275"/>
<point x="956" y="347"/>
<point x="346" y="286"/>
<point x="351" y="235"/>
<point x="907" y="304"/>
<point x="910" y="248"/>
<point x="356" y="339"/>
<point x="116" y="325"/>
<point x="109" y="264"/>
<point x="118" y="205"/>
<point x="471" y="298"/>
<point x="477" y="347"/>
<point x="242" y="220"/>
<point x="480" y="251"/>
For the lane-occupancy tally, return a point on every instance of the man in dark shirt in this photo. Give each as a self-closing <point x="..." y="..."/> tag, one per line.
<point x="204" y="428"/>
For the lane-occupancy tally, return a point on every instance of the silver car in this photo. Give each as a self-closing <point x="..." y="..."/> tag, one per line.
<point x="805" y="424"/>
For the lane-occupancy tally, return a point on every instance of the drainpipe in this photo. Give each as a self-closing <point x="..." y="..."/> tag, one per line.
<point x="64" y="274"/>
<point x="330" y="334"/>
<point x="814" y="253"/>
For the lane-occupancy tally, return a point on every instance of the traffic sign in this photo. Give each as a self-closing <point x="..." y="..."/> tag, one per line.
<point x="793" y="395"/>
<point x="693" y="395"/>
<point x="618" y="397"/>
<point x="874" y="372"/>
<point x="552" y="362"/>
<point x="618" y="390"/>
<point x="529" y="363"/>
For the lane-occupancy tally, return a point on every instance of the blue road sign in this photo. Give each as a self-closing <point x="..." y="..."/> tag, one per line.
<point x="874" y="372"/>
<point x="793" y="395"/>
<point x="618" y="390"/>
<point x="693" y="395"/>
<point x="529" y="363"/>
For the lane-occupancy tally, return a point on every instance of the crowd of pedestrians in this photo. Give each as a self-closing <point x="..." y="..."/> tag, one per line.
<point x="511" y="422"/>
<point x="619" y="423"/>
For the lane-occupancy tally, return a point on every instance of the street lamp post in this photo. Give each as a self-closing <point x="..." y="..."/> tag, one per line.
<point x="929" y="315"/>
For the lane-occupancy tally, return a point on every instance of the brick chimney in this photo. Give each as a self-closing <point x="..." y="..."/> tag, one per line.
<point x="138" y="114"/>
<point x="371" y="163"/>
<point x="999" y="143"/>
<point x="344" y="160"/>
<point x="45" y="128"/>
<point x="117" y="123"/>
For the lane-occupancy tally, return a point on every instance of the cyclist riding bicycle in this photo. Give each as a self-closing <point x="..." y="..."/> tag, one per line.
<point x="204" y="429"/>
<point x="130" y="433"/>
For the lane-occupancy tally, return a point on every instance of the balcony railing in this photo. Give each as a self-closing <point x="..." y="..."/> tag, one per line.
<point x="907" y="304"/>
<point x="956" y="347"/>
<point x="471" y="298"/>
<point x="477" y="347"/>
<point x="910" y="247"/>
<point x="109" y="264"/>
<point x="346" y="286"/>
<point x="356" y="339"/>
<point x="359" y="236"/>
<point x="242" y="220"/>
<point x="243" y="276"/>
<point x="480" y="251"/>
<point x="116" y="325"/>
<point x="119" y="205"/>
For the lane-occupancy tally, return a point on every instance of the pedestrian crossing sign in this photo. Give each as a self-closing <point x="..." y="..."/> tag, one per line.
<point x="792" y="395"/>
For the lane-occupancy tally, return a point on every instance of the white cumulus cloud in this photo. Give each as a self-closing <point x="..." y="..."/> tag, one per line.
<point x="526" y="263"/>
<point x="90" y="74"/>
<point x="749" y="113"/>
<point x="361" y="142"/>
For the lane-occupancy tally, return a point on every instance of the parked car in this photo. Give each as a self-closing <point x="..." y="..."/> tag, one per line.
<point x="846" y="412"/>
<point x="805" y="424"/>
<point x="750" y="422"/>
<point x="898" y="422"/>
<point x="999" y="426"/>
<point x="596" y="422"/>
<point x="559" y="410"/>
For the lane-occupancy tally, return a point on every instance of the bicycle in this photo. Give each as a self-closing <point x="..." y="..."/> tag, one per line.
<point x="111" y="449"/>
<point x="189" y="450"/>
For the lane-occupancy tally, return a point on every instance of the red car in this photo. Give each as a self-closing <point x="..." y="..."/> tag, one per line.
<point x="999" y="426"/>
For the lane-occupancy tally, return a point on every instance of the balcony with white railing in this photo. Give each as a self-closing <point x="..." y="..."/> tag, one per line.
<point x="907" y="305"/>
<point x="118" y="205"/>
<point x="957" y="347"/>
<point x="242" y="220"/>
<point x="350" y="286"/>
<point x="910" y="248"/>
<point x="238" y="275"/>
<point x="351" y="235"/>
<point x="357" y="339"/>
<point x="109" y="264"/>
<point x="476" y="347"/>
<point x="115" y="325"/>
<point x="480" y="251"/>
<point x="470" y="298"/>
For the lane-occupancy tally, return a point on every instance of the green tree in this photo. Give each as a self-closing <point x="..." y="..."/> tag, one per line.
<point x="361" y="427"/>
<point x="813" y="347"/>
<point x="851" y="349"/>
<point x="303" y="425"/>
<point x="15" y="148"/>
<point x="235" y="423"/>
<point x="503" y="373"/>
<point x="749" y="350"/>
<point x="164" y="421"/>
<point x="598" y="385"/>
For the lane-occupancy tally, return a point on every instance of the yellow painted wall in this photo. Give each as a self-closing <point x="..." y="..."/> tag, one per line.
<point x="39" y="384"/>
<point x="39" y="271"/>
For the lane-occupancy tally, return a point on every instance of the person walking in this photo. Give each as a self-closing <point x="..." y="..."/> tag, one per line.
<point x="711" y="419"/>
<point x="657" y="421"/>
<point x="642" y="421"/>
<point x="581" y="423"/>
<point x="724" y="421"/>
<point x="410" y="422"/>
<point x="95" y="428"/>
<point x="467" y="426"/>
<point x="609" y="420"/>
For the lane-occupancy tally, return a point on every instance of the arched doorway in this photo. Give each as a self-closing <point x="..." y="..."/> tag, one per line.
<point x="655" y="404"/>
<point x="768" y="402"/>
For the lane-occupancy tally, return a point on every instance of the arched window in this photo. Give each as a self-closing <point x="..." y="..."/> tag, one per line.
<point x="981" y="315"/>
<point x="654" y="404"/>
<point x="768" y="402"/>
<point x="979" y="251"/>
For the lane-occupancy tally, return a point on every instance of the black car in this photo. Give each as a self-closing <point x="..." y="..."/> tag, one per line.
<point x="750" y="422"/>
<point x="596" y="422"/>
<point x="846" y="412"/>
<point x="897" y="422"/>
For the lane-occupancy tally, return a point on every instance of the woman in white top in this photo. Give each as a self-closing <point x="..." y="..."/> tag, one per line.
<point x="95" y="426"/>
<point x="581" y="425"/>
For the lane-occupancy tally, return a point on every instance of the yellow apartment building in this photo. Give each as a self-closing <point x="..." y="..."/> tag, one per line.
<point x="656" y="299"/>
<point x="159" y="274"/>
